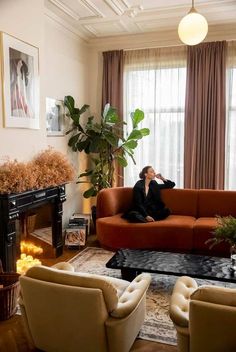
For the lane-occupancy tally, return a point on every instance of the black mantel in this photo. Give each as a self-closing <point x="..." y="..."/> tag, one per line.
<point x="12" y="205"/>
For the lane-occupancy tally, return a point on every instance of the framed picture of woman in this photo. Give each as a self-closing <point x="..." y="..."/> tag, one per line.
<point x="20" y="76"/>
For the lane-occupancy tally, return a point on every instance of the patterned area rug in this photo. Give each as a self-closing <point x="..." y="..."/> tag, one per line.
<point x="157" y="325"/>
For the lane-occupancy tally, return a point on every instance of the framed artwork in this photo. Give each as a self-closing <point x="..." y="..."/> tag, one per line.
<point x="75" y="236"/>
<point x="55" y="113"/>
<point x="20" y="76"/>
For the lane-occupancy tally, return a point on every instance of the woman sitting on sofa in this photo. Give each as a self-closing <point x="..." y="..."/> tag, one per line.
<point x="147" y="203"/>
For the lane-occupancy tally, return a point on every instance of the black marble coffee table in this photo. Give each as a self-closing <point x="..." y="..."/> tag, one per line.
<point x="134" y="261"/>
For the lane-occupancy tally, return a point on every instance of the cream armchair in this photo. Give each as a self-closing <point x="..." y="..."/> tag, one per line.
<point x="204" y="317"/>
<point x="66" y="311"/>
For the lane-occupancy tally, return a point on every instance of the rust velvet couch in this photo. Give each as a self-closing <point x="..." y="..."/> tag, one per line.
<point x="185" y="230"/>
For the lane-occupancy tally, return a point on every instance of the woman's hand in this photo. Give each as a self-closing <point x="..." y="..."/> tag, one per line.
<point x="160" y="177"/>
<point x="149" y="218"/>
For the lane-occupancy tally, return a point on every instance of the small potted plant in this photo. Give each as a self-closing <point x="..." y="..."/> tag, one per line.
<point x="225" y="231"/>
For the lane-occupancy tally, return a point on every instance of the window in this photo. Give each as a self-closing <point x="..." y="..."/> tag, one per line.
<point x="160" y="93"/>
<point x="230" y="169"/>
<point x="230" y="149"/>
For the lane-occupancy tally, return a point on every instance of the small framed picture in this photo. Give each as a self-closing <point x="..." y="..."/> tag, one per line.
<point x="55" y="113"/>
<point x="75" y="236"/>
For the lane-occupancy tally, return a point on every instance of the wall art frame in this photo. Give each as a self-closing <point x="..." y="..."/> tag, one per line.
<point x="55" y="116"/>
<point x="20" y="77"/>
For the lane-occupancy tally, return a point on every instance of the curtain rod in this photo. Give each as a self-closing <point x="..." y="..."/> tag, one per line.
<point x="175" y="45"/>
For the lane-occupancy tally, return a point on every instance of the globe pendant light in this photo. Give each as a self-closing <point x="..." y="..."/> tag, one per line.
<point x="193" y="27"/>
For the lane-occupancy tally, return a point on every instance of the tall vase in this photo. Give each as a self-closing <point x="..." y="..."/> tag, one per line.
<point x="233" y="257"/>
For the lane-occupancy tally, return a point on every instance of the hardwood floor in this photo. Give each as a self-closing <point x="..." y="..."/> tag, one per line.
<point x="13" y="337"/>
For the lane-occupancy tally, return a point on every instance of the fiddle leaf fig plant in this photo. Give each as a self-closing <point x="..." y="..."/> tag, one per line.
<point x="104" y="142"/>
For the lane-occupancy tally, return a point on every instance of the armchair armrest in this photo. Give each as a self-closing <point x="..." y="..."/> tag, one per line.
<point x="215" y="294"/>
<point x="179" y="304"/>
<point x="64" y="266"/>
<point x="131" y="296"/>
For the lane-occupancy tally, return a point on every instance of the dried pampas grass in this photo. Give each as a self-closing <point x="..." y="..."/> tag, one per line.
<point x="49" y="168"/>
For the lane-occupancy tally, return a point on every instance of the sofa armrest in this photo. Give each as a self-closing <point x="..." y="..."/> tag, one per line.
<point x="131" y="296"/>
<point x="179" y="304"/>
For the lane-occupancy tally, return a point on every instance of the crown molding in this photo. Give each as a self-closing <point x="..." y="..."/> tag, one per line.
<point x="115" y="7"/>
<point x="66" y="27"/>
<point x="96" y="13"/>
<point x="159" y="38"/>
<point x="66" y="9"/>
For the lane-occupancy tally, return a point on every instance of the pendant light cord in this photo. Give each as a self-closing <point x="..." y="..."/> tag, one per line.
<point x="192" y="8"/>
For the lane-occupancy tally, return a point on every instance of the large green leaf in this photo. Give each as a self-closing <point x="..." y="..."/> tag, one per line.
<point x="69" y="103"/>
<point x="96" y="127"/>
<point x="111" y="115"/>
<point x="111" y="139"/>
<point x="91" y="192"/>
<point x="135" y="134"/>
<point x="86" y="173"/>
<point x="82" y="145"/>
<point x="70" y="130"/>
<point x="83" y="109"/>
<point x="75" y="118"/>
<point x="145" y="131"/>
<point x="121" y="160"/>
<point x="95" y="144"/>
<point x="131" y="144"/>
<point x="137" y="116"/>
<point x="73" y="140"/>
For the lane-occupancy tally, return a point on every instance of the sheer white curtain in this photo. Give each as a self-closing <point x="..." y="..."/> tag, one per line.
<point x="154" y="81"/>
<point x="230" y="162"/>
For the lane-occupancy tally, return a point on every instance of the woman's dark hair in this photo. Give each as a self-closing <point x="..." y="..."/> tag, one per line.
<point x="144" y="171"/>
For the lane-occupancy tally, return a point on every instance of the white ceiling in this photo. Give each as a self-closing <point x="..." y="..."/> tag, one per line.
<point x="105" y="18"/>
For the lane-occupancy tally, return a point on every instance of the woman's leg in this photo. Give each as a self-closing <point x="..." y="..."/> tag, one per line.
<point x="134" y="216"/>
<point x="161" y="214"/>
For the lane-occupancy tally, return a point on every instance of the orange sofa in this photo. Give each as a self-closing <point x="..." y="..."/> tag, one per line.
<point x="185" y="230"/>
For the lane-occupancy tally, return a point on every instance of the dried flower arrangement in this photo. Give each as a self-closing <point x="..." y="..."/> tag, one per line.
<point x="52" y="168"/>
<point x="16" y="177"/>
<point x="49" y="168"/>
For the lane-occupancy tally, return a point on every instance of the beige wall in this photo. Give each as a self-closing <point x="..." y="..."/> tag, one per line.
<point x="63" y="67"/>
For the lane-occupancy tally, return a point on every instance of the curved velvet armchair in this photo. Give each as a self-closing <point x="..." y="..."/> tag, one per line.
<point x="204" y="316"/>
<point x="66" y="311"/>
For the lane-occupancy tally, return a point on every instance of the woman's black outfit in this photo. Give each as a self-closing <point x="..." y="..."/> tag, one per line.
<point x="150" y="204"/>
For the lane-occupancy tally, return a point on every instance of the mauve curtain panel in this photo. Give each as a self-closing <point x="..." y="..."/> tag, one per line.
<point x="112" y="82"/>
<point x="112" y="92"/>
<point x="205" y="110"/>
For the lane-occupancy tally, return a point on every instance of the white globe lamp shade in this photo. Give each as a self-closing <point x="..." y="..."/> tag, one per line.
<point x="192" y="28"/>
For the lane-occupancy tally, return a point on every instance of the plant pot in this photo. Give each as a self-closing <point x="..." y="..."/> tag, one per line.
<point x="233" y="257"/>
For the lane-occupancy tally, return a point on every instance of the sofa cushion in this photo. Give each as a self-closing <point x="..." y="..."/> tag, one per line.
<point x="202" y="231"/>
<point x="174" y="233"/>
<point x="213" y="202"/>
<point x="181" y="201"/>
<point x="114" y="200"/>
